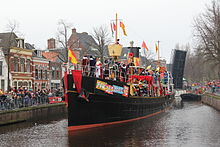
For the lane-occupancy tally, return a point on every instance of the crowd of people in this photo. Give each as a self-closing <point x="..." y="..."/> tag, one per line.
<point x="120" y="71"/>
<point x="200" y="88"/>
<point x="22" y="97"/>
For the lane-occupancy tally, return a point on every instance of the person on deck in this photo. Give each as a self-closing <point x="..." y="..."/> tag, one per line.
<point x="98" y="69"/>
<point x="85" y="63"/>
<point x="106" y="69"/>
<point x="92" y="63"/>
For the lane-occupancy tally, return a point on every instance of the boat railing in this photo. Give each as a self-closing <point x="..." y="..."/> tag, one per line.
<point x="132" y="75"/>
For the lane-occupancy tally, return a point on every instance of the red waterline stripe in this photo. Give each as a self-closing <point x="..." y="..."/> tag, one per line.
<point x="73" y="128"/>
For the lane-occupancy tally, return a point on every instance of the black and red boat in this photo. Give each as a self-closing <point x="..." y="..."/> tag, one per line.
<point x="95" y="101"/>
<point x="96" y="105"/>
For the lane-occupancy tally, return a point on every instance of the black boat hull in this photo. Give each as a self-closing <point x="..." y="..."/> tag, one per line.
<point x="103" y="110"/>
<point x="190" y="97"/>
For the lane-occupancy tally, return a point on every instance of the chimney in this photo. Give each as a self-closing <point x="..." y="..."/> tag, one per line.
<point x="73" y="30"/>
<point x="51" y="43"/>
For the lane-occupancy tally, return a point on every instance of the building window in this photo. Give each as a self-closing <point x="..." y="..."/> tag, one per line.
<point x="30" y="85"/>
<point x="41" y="74"/>
<point x="52" y="86"/>
<point x="15" y="84"/>
<point x="57" y="72"/>
<point x="46" y="74"/>
<point x="43" y="85"/>
<point x="28" y="65"/>
<point x="15" y="64"/>
<point x="36" y="72"/>
<point x="39" y="53"/>
<point x="22" y="61"/>
<point x="25" y="84"/>
<point x="19" y="84"/>
<point x="35" y="87"/>
<point x="1" y="68"/>
<point x="3" y="85"/>
<point x="53" y="73"/>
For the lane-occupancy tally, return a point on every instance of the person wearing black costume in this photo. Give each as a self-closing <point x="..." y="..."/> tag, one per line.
<point x="92" y="63"/>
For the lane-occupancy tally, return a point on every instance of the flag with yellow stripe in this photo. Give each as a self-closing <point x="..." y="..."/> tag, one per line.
<point x="72" y="56"/>
<point x="157" y="48"/>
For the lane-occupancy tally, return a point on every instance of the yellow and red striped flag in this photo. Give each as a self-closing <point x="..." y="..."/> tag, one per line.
<point x="136" y="61"/>
<point x="157" y="48"/>
<point x="123" y="28"/>
<point x="72" y="56"/>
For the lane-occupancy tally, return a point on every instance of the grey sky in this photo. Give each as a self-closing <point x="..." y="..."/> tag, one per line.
<point x="169" y="21"/>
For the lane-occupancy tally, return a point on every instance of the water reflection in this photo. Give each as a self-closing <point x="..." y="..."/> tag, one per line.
<point x="49" y="132"/>
<point x="188" y="124"/>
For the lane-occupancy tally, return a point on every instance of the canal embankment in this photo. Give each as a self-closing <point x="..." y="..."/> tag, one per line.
<point x="211" y="100"/>
<point x="32" y="113"/>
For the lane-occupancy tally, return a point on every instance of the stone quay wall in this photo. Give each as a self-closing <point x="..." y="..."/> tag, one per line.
<point x="212" y="100"/>
<point x="31" y="113"/>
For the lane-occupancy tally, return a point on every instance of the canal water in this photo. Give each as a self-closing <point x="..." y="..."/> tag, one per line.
<point x="189" y="124"/>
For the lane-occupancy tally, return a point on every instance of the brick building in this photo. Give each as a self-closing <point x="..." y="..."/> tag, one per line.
<point x="40" y="71"/>
<point x="21" y="65"/>
<point x="53" y="55"/>
<point x="82" y="44"/>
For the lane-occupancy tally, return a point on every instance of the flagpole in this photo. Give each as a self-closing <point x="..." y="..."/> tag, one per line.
<point x="158" y="53"/>
<point x="68" y="63"/>
<point x="116" y="30"/>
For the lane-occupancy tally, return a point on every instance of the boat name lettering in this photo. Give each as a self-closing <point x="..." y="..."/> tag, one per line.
<point x="110" y="89"/>
<point x="118" y="89"/>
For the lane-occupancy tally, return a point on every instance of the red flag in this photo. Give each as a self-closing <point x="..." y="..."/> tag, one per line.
<point x="114" y="26"/>
<point x="77" y="78"/>
<point x="144" y="45"/>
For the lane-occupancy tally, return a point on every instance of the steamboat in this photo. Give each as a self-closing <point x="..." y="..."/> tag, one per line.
<point x="115" y="92"/>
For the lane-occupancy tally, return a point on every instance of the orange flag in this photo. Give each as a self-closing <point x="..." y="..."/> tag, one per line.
<point x="157" y="48"/>
<point x="144" y="45"/>
<point x="72" y="56"/>
<point x="123" y="28"/>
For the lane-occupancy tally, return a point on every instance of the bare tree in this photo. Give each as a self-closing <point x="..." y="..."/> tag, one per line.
<point x="102" y="39"/>
<point x="197" y="69"/>
<point x="62" y="38"/>
<point x="207" y="33"/>
<point x="11" y="28"/>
